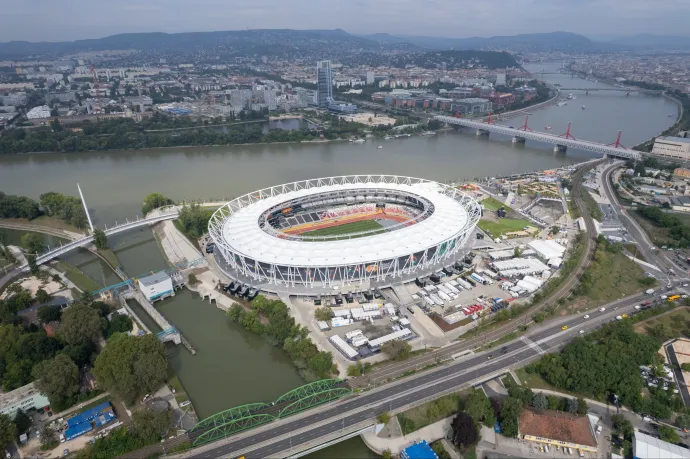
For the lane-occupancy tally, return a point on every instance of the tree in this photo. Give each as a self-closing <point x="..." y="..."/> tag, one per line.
<point x="80" y="325"/>
<point x="397" y="349"/>
<point x="58" y="378"/>
<point x="464" y="430"/>
<point x="150" y="425"/>
<point x="539" y="401"/>
<point x="42" y="296"/>
<point x="324" y="313"/>
<point x="49" y="438"/>
<point x="517" y="252"/>
<point x="668" y="434"/>
<point x="685" y="366"/>
<point x="683" y="421"/>
<point x="131" y="366"/>
<point x="623" y="425"/>
<point x="154" y="201"/>
<point x="34" y="242"/>
<point x="48" y="314"/>
<point x="510" y="411"/>
<point x="21" y="421"/>
<point x="193" y="280"/>
<point x="33" y="266"/>
<point x="119" y="323"/>
<point x="383" y="418"/>
<point x="582" y="407"/>
<point x="8" y="431"/>
<point x="479" y="408"/>
<point x="572" y="405"/>
<point x="386" y="454"/>
<point x="100" y="240"/>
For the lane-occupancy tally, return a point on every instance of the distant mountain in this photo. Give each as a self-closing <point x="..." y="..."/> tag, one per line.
<point x="644" y="40"/>
<point x="238" y="42"/>
<point x="553" y="41"/>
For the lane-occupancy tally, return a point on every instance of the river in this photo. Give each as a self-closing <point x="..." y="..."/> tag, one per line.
<point x="233" y="367"/>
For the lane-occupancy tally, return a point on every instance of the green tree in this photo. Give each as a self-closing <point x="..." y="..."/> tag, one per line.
<point x="57" y="378"/>
<point x="80" y="325"/>
<point x="464" y="430"/>
<point x="683" y="421"/>
<point x="100" y="240"/>
<point x="582" y="407"/>
<point x="8" y="431"/>
<point x="324" y="313"/>
<point x="539" y="401"/>
<point x="33" y="266"/>
<point x="397" y="349"/>
<point x="119" y="323"/>
<point x="572" y="405"/>
<point x="48" y="314"/>
<point x="34" y="243"/>
<point x="193" y="280"/>
<point x="383" y="418"/>
<point x="668" y="434"/>
<point x="42" y="296"/>
<point x="479" y="408"/>
<point x="510" y="412"/>
<point x="131" y="366"/>
<point x="386" y="454"/>
<point x="21" y="421"/>
<point x="149" y="424"/>
<point x="154" y="201"/>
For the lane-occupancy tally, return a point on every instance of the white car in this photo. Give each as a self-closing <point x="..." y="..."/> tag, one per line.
<point x="582" y="332"/>
<point x="586" y="316"/>
<point x="602" y="309"/>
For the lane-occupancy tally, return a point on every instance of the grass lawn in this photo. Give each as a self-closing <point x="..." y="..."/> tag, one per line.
<point x="493" y="204"/>
<point x="613" y="276"/>
<point x="180" y="394"/>
<point x="50" y="222"/>
<point x="533" y="381"/>
<point x="80" y="279"/>
<point x="504" y="225"/>
<point x="591" y="205"/>
<point x="346" y="228"/>
<point x="675" y="320"/>
<point x="430" y="412"/>
<point x="109" y="255"/>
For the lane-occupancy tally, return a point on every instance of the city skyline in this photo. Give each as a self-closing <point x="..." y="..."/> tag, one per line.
<point x="35" y="20"/>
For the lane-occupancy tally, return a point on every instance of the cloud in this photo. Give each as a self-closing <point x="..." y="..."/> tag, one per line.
<point x="74" y="19"/>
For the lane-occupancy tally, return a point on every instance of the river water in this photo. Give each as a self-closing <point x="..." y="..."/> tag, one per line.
<point x="233" y="367"/>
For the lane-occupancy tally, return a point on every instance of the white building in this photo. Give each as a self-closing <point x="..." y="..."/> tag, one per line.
<point x="548" y="249"/>
<point x="648" y="447"/>
<point x="24" y="398"/>
<point x="42" y="111"/>
<point x="156" y="286"/>
<point x="370" y="77"/>
<point x="672" y="147"/>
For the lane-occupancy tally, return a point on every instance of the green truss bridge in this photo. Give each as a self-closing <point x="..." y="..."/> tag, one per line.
<point x="245" y="417"/>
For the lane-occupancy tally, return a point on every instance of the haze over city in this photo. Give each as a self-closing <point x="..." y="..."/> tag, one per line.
<point x="40" y="20"/>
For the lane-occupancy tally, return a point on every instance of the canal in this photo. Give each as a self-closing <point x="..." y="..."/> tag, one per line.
<point x="233" y="367"/>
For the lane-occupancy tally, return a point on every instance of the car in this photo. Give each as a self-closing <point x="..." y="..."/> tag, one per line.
<point x="564" y="327"/>
<point x="685" y="285"/>
<point x="504" y="349"/>
<point x="602" y="309"/>
<point x="586" y="316"/>
<point x="65" y="452"/>
<point x="410" y="309"/>
<point x="582" y="332"/>
<point x="489" y="357"/>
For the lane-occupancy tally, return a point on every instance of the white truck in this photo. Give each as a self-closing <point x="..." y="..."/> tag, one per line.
<point x="649" y="292"/>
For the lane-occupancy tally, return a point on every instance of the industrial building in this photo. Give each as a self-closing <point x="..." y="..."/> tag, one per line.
<point x="672" y="147"/>
<point x="156" y="286"/>
<point x="84" y="422"/>
<point x="40" y="112"/>
<point x="557" y="428"/>
<point x="420" y="450"/>
<point x="548" y="249"/>
<point x="23" y="398"/>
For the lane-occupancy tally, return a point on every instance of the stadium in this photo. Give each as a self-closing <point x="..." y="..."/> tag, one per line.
<point x="351" y="232"/>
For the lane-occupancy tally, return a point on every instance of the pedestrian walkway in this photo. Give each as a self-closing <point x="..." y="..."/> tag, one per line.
<point x="430" y="433"/>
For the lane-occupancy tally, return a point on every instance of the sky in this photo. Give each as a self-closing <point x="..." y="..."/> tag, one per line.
<point x="60" y="20"/>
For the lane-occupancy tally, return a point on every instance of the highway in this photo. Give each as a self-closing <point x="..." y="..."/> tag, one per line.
<point x="333" y="418"/>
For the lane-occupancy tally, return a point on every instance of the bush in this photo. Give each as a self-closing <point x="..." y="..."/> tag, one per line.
<point x="397" y="349"/>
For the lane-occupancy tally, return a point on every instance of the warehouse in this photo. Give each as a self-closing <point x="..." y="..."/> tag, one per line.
<point x="520" y="267"/>
<point x="547" y="249"/>
<point x="156" y="286"/>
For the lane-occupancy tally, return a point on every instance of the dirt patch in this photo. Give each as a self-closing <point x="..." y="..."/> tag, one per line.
<point x="445" y="326"/>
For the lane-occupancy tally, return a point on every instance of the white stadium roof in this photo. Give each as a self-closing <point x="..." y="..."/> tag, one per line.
<point x="648" y="447"/>
<point x="241" y="230"/>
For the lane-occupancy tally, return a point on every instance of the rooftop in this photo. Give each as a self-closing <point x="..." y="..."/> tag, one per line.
<point x="649" y="447"/>
<point x="12" y="397"/>
<point x="669" y="138"/>
<point x="154" y="279"/>
<point x="557" y="425"/>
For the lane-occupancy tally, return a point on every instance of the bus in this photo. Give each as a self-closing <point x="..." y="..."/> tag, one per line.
<point x="673" y="297"/>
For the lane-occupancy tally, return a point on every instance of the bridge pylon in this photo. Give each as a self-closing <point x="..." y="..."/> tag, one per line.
<point x="617" y="143"/>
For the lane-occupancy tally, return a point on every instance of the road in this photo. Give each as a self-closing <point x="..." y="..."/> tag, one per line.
<point x="393" y="370"/>
<point x="645" y="245"/>
<point x="359" y="408"/>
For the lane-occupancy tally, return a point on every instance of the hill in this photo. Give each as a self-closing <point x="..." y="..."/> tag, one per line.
<point x="457" y="59"/>
<point x="553" y="41"/>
